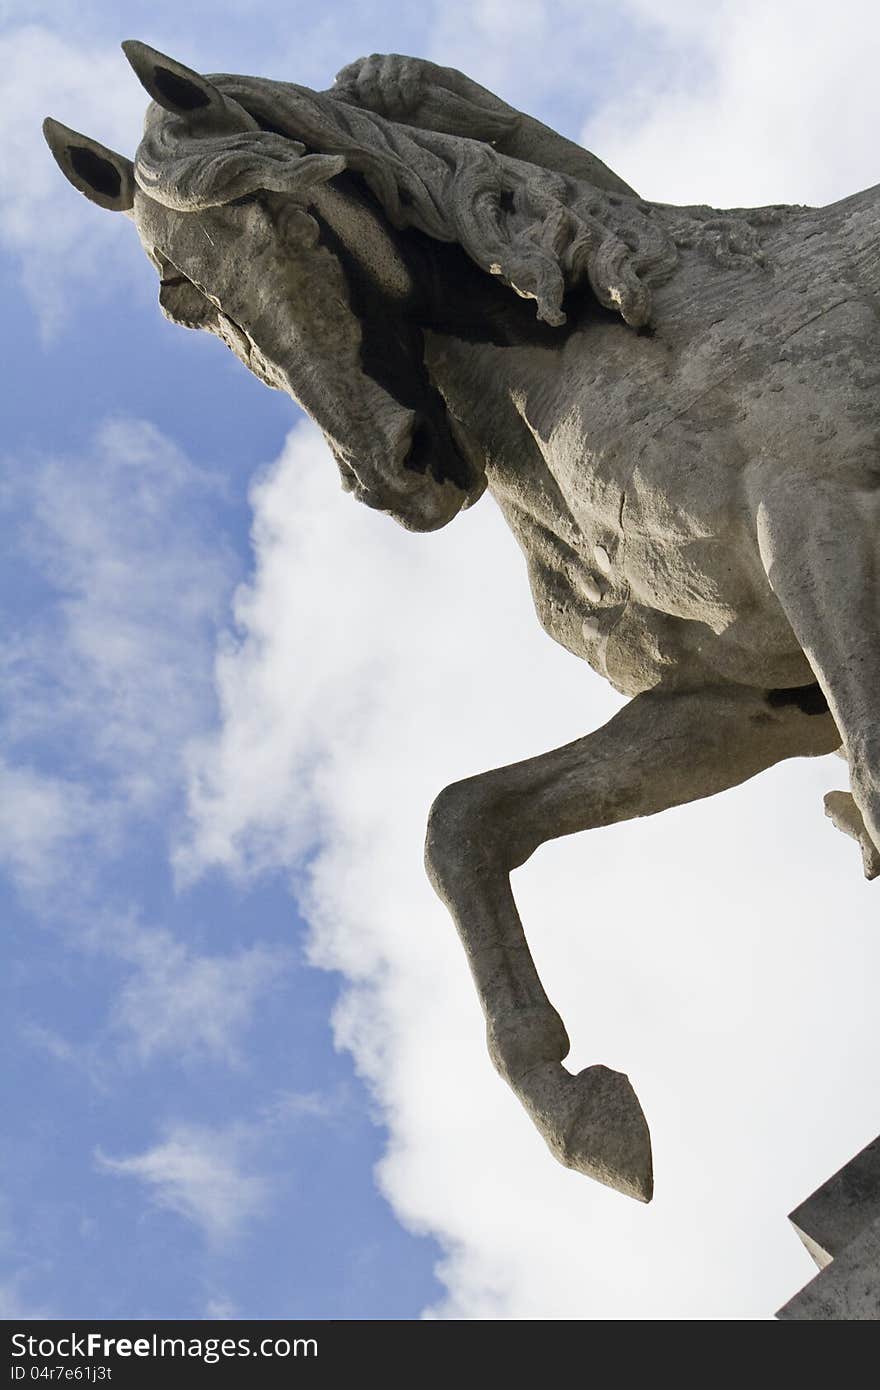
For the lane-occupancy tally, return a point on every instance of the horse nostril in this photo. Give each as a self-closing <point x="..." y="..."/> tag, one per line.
<point x="435" y="450"/>
<point x="418" y="460"/>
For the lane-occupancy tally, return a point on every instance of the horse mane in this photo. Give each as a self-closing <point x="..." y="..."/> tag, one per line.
<point x="540" y="232"/>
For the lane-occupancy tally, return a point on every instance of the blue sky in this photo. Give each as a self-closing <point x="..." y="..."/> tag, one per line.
<point x="245" y="1072"/>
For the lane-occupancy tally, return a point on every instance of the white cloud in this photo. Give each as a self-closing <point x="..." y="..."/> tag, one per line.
<point x="775" y="104"/>
<point x="221" y="1309"/>
<point x="174" y="1003"/>
<point x="109" y="675"/>
<point x="200" y="1174"/>
<point x="93" y="1061"/>
<point x="44" y="821"/>
<point x="182" y="1004"/>
<point x="289" y="1109"/>
<point x="223" y="1178"/>
<point x="115" y="664"/>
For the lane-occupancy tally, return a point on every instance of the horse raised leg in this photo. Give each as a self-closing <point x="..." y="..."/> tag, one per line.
<point x="660" y="750"/>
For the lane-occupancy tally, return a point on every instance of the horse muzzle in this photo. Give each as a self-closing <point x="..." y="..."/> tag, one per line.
<point x="420" y="477"/>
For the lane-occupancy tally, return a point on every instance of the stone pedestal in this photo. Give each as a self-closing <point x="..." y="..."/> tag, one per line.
<point x="840" y="1226"/>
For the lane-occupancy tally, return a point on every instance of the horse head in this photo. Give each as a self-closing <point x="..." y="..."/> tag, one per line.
<point x="291" y="262"/>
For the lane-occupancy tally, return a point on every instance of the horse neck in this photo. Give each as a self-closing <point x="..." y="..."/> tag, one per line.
<point x="482" y="343"/>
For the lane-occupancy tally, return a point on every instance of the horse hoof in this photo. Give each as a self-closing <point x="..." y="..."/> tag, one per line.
<point x="608" y="1137"/>
<point x="593" y="1123"/>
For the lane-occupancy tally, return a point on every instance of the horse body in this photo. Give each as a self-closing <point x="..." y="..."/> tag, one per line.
<point x="687" y="451"/>
<point x="632" y="482"/>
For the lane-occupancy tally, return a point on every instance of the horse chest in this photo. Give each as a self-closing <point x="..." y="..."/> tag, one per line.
<point x="641" y="561"/>
<point x="654" y="514"/>
<point x="634" y="614"/>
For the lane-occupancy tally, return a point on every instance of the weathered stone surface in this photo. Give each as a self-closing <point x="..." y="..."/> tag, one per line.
<point x="838" y="1211"/>
<point x="840" y="1226"/>
<point x="847" y="1290"/>
<point x="676" y="409"/>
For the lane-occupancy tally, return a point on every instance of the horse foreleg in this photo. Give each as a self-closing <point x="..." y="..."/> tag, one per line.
<point x="661" y="750"/>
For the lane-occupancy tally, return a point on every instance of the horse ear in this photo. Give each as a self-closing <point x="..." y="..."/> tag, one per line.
<point x="104" y="177"/>
<point x="177" y="88"/>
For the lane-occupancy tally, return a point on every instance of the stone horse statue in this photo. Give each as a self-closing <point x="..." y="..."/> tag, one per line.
<point x="676" y="409"/>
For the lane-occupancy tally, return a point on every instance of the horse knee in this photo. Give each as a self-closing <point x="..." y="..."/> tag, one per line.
<point x="452" y="835"/>
<point x="461" y="837"/>
<point x="475" y="826"/>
